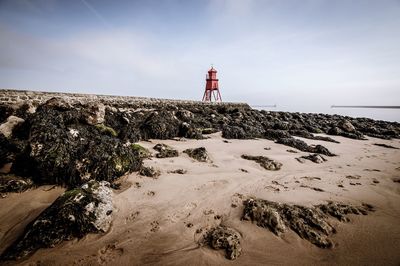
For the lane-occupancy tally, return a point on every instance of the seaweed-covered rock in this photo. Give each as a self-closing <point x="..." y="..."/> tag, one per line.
<point x="265" y="162"/>
<point x="385" y="146"/>
<point x="12" y="183"/>
<point x="273" y="134"/>
<point x="178" y="171"/>
<point x="63" y="149"/>
<point x="310" y="223"/>
<point x="74" y="214"/>
<point x="199" y="154"/>
<point x="295" y="143"/>
<point x="316" y="158"/>
<point x="340" y="211"/>
<point x="302" y="146"/>
<point x="165" y="151"/>
<point x="222" y="237"/>
<point x="233" y="132"/>
<point x="149" y="171"/>
<point x="6" y="150"/>
<point x="320" y="149"/>
<point x="160" y="125"/>
<point x="142" y="151"/>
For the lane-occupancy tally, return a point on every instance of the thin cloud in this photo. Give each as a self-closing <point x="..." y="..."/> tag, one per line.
<point x="96" y="13"/>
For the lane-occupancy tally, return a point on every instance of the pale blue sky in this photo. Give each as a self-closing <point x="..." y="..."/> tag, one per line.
<point x="301" y="55"/>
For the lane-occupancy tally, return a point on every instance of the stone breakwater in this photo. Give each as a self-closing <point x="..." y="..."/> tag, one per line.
<point x="10" y="96"/>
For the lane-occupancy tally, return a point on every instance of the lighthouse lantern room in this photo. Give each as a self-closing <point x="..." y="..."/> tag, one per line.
<point x="212" y="91"/>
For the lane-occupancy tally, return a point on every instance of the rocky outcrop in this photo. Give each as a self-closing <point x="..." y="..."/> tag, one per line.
<point x="165" y="151"/>
<point x="74" y="138"/>
<point x="199" y="154"/>
<point x="59" y="147"/>
<point x="222" y="237"/>
<point x="265" y="162"/>
<point x="83" y="210"/>
<point x="310" y="223"/>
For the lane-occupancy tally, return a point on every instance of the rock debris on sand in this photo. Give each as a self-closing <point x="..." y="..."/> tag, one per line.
<point x="149" y="171"/>
<point x="222" y="237"/>
<point x="265" y="162"/>
<point x="310" y="223"/>
<point x="315" y="158"/>
<point x="385" y="146"/>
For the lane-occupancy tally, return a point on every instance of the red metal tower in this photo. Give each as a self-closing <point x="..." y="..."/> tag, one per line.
<point x="212" y="90"/>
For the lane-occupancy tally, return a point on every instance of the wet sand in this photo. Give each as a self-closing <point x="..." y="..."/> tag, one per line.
<point x="156" y="220"/>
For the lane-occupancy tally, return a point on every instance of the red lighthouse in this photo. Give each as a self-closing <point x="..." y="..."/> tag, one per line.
<point x="212" y="90"/>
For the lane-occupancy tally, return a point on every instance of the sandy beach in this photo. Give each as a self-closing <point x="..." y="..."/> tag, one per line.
<point x="157" y="220"/>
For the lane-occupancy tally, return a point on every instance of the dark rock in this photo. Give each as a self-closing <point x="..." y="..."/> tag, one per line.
<point x="302" y="146"/>
<point x="63" y="149"/>
<point x="234" y="132"/>
<point x="386" y="146"/>
<point x="272" y="134"/>
<point x="316" y="158"/>
<point x="12" y="183"/>
<point x="160" y="125"/>
<point x="295" y="143"/>
<point x="178" y="171"/>
<point x="320" y="149"/>
<point x="206" y="131"/>
<point x="74" y="214"/>
<point x="222" y="237"/>
<point x="7" y="150"/>
<point x="199" y="154"/>
<point x="149" y="171"/>
<point x="340" y="211"/>
<point x="165" y="151"/>
<point x="310" y="223"/>
<point x="264" y="162"/>
<point x="142" y="151"/>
